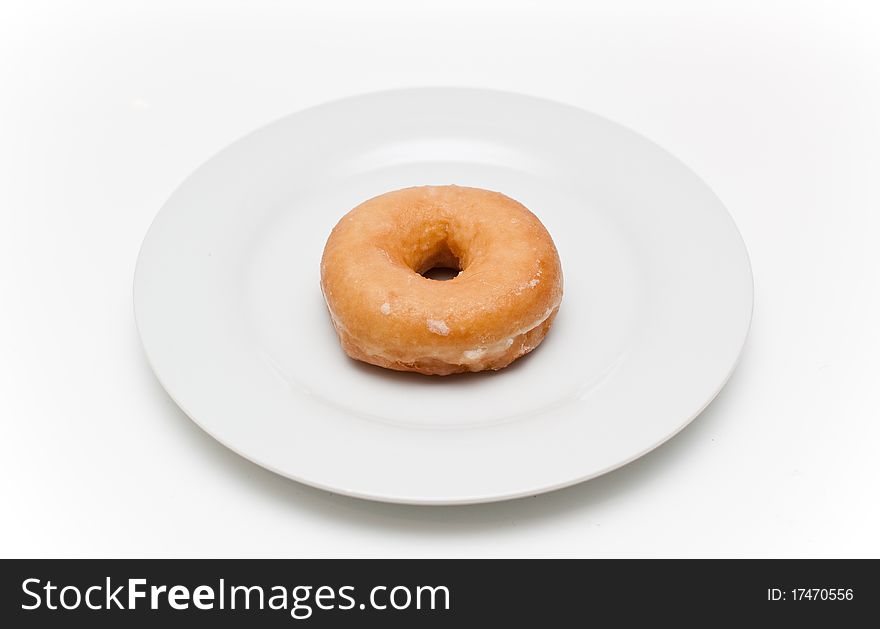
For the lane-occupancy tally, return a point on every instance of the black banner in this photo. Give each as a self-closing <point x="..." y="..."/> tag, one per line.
<point x="428" y="593"/>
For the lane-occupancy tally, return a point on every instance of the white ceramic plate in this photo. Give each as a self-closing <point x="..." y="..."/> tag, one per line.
<point x="657" y="306"/>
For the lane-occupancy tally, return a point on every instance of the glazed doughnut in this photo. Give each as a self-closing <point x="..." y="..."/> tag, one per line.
<point x="498" y="308"/>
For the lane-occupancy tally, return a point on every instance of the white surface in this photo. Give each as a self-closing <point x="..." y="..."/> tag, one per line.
<point x="106" y="109"/>
<point x="658" y="299"/>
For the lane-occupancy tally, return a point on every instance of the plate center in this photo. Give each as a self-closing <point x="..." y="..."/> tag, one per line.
<point x="603" y="289"/>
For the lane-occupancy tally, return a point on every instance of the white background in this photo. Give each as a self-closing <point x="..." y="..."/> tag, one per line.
<point x="106" y="107"/>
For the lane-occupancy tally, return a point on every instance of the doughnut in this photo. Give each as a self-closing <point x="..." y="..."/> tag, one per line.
<point x="385" y="312"/>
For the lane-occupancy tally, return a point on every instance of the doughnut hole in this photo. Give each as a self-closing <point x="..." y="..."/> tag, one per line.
<point x="438" y="256"/>
<point x="441" y="264"/>
<point x="441" y="273"/>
